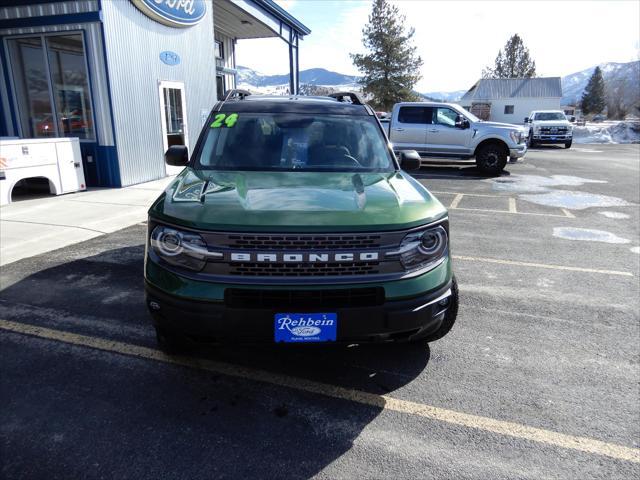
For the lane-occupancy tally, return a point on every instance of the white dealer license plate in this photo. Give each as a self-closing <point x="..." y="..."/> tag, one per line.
<point x="305" y="327"/>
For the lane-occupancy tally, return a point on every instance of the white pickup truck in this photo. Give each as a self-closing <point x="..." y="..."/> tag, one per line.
<point x="447" y="133"/>
<point x="548" y="126"/>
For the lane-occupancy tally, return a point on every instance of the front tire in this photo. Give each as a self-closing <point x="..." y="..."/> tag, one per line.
<point x="567" y="144"/>
<point x="449" y="318"/>
<point x="491" y="159"/>
<point x="530" y="142"/>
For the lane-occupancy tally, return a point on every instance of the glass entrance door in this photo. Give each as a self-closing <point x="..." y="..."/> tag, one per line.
<point x="174" y="118"/>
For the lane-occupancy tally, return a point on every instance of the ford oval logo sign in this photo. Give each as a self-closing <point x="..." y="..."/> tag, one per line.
<point x="170" y="58"/>
<point x="174" y="13"/>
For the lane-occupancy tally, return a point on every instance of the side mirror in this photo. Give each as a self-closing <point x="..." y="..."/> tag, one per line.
<point x="526" y="119"/>
<point x="177" y="156"/>
<point x="461" y="122"/>
<point x="572" y="119"/>
<point x="410" y="160"/>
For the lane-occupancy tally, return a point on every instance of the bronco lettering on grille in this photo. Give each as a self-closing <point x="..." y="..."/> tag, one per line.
<point x="303" y="257"/>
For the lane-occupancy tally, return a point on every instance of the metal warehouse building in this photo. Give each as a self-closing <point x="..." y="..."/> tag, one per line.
<point x="509" y="100"/>
<point x="127" y="77"/>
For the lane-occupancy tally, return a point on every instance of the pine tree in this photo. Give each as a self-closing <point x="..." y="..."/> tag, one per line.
<point x="593" y="98"/>
<point x="391" y="68"/>
<point x="515" y="62"/>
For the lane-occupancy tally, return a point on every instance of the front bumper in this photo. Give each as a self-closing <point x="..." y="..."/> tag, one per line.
<point x="543" y="138"/>
<point x="249" y="321"/>
<point x="518" y="152"/>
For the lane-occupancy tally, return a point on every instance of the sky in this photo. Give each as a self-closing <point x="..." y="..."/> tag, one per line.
<point x="457" y="39"/>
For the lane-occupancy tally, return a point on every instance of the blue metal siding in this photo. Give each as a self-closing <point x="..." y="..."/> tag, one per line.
<point x="44" y="9"/>
<point x="8" y="121"/>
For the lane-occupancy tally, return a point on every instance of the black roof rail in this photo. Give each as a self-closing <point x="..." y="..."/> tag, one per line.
<point x="236" y="92"/>
<point x="356" y="99"/>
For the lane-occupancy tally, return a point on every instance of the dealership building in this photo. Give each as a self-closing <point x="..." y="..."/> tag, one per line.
<point x="129" y="78"/>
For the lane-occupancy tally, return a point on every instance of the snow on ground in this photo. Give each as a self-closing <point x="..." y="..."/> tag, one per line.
<point x="608" y="132"/>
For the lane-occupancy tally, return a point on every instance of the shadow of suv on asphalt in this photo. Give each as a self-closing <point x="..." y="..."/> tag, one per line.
<point x="76" y="412"/>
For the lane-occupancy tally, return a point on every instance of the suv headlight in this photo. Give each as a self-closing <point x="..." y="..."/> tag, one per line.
<point x="536" y="129"/>
<point x="423" y="248"/>
<point x="179" y="248"/>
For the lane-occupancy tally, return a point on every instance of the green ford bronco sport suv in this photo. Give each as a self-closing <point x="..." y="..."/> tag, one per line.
<point x="293" y="222"/>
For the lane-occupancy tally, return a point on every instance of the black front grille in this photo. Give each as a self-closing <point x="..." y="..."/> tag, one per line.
<point x="553" y="130"/>
<point x="302" y="242"/>
<point x="309" y="299"/>
<point x="303" y="269"/>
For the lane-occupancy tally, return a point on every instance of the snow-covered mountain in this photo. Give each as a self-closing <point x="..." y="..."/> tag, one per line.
<point x="319" y="81"/>
<point x="278" y="84"/>
<point x="445" y="96"/>
<point x="615" y="75"/>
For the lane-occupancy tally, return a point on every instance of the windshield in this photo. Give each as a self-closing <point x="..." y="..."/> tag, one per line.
<point x="284" y="141"/>
<point x="550" y="116"/>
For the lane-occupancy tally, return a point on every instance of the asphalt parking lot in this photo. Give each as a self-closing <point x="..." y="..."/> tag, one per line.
<point x="538" y="378"/>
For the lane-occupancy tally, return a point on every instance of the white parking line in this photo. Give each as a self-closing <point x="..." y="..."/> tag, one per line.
<point x="542" y="265"/>
<point x="385" y="402"/>
<point x="508" y="212"/>
<point x="456" y="200"/>
<point x="512" y="208"/>
<point x="468" y="194"/>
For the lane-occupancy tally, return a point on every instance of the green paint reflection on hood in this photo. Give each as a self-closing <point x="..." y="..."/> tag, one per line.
<point x="290" y="201"/>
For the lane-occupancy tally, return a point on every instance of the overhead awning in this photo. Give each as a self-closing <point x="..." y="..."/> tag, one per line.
<point x="246" y="19"/>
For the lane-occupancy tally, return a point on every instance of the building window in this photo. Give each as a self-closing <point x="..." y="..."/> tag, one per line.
<point x="219" y="49"/>
<point x="52" y="87"/>
<point x="508" y="109"/>
<point x="220" y="84"/>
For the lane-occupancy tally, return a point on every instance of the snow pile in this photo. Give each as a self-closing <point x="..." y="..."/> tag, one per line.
<point x="608" y="132"/>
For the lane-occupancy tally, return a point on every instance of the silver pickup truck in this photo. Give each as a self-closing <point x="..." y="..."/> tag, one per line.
<point x="548" y="126"/>
<point x="447" y="133"/>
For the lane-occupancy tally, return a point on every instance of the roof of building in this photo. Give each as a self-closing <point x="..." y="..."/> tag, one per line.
<point x="293" y="104"/>
<point x="283" y="15"/>
<point x="496" y="88"/>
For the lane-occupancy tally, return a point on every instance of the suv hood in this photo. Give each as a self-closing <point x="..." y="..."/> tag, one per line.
<point x="290" y="201"/>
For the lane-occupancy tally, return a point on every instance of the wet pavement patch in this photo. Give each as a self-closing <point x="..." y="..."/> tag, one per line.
<point x="574" y="200"/>
<point x="538" y="189"/>
<point x="585" y="234"/>
<point x="616" y="215"/>
<point x="537" y="183"/>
